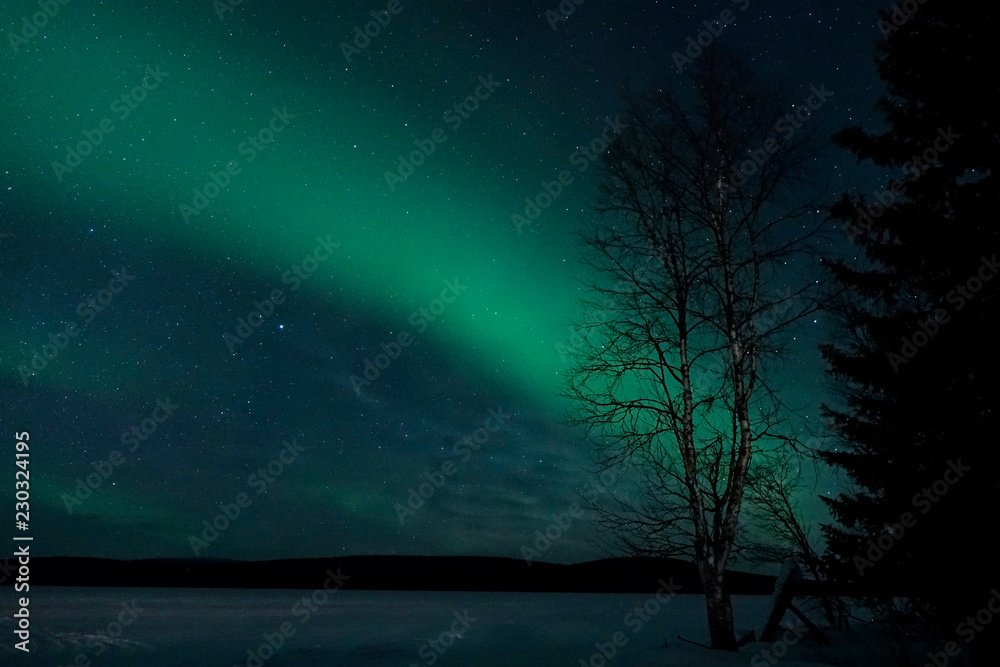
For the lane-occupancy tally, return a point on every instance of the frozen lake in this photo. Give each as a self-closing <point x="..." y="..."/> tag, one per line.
<point x="153" y="627"/>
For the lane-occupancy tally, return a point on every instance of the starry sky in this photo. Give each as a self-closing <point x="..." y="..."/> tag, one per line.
<point x="201" y="256"/>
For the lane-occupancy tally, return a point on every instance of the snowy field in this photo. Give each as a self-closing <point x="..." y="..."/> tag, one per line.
<point x="152" y="627"/>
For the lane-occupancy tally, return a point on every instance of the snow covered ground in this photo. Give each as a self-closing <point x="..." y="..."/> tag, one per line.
<point x="153" y="627"/>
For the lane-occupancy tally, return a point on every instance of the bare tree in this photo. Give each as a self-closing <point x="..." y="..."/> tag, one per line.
<point x="675" y="380"/>
<point x="779" y="530"/>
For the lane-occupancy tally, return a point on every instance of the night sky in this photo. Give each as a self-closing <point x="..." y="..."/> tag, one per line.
<point x="255" y="160"/>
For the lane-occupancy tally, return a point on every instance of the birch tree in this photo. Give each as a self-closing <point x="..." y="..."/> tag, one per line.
<point x="675" y="383"/>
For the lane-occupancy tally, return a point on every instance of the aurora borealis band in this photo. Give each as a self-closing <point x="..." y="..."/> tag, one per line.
<point x="222" y="235"/>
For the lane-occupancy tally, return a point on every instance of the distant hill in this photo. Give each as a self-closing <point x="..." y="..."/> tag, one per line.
<point x="404" y="573"/>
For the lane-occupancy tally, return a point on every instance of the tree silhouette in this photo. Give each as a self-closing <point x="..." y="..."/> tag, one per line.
<point x="916" y="365"/>
<point x="674" y="381"/>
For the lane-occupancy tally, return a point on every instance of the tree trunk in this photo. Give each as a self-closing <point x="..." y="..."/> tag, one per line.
<point x="721" y="630"/>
